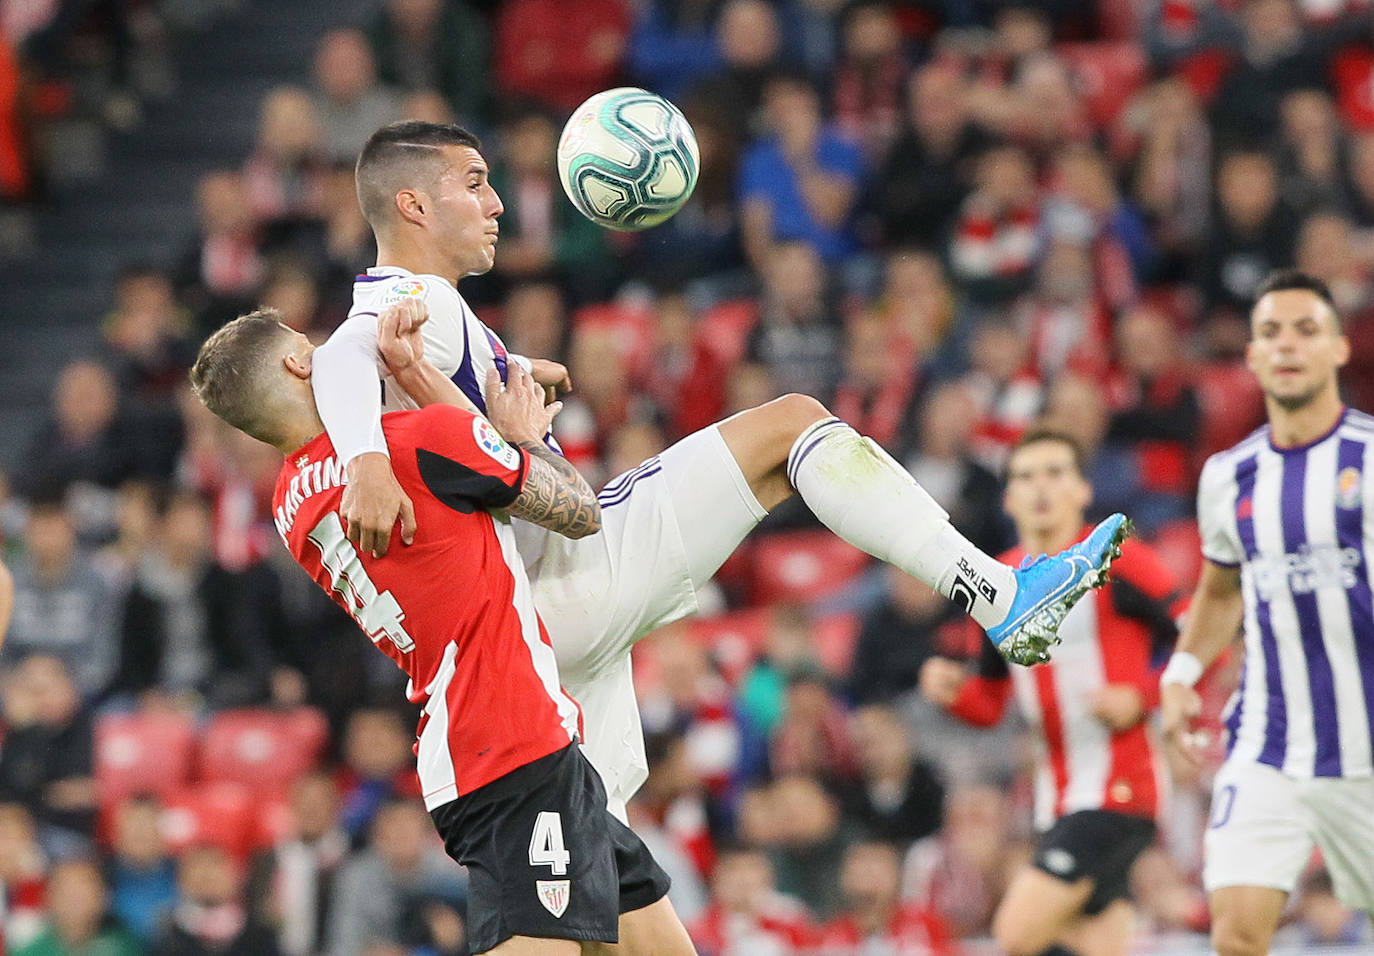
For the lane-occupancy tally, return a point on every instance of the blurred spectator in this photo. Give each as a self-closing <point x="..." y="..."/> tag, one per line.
<point x="799" y="184"/>
<point x="1323" y="920"/>
<point x="375" y="887"/>
<point x="896" y="638"/>
<point x="929" y="170"/>
<point x="920" y="303"/>
<point x="1312" y="154"/>
<point x="62" y="606"/>
<point x="6" y="601"/>
<point x="1156" y="417"/>
<point x="77" y="905"/>
<point x="1360" y="180"/>
<point x="805" y="839"/>
<point x="349" y="101"/>
<point x="537" y="319"/>
<point x="377" y="767"/>
<point x="1166" y="900"/>
<point x="788" y="648"/>
<point x="284" y="175"/>
<point x="292" y="884"/>
<point x="961" y="872"/>
<point x="749" y="38"/>
<point x="672" y="45"/>
<point x="881" y="376"/>
<point x="218" y="274"/>
<point x="541" y="232"/>
<point x="1007" y="392"/>
<point x="897" y="798"/>
<point x="435" y="45"/>
<point x="1329" y="248"/>
<point x="84" y="440"/>
<point x="1065" y="322"/>
<point x="1252" y="233"/>
<point x="209" y="917"/>
<point x="47" y="763"/>
<point x="747" y="916"/>
<point x="1278" y="54"/>
<point x="796" y="337"/>
<point x="671" y="814"/>
<point x="141" y="871"/>
<point x="1045" y="111"/>
<point x="146" y="335"/>
<point x="559" y="51"/>
<point x="942" y="463"/>
<point x="868" y="80"/>
<point x="599" y="365"/>
<point x="291" y="289"/>
<point x="1078" y="406"/>
<point x="812" y="735"/>
<point x="1172" y="180"/>
<point x="702" y="240"/>
<point x="193" y="630"/>
<point x="1087" y="209"/>
<point x="23" y="877"/>
<point x="996" y="239"/>
<point x="874" y="917"/>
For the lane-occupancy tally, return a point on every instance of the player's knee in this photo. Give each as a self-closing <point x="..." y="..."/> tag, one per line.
<point x="1236" y="937"/>
<point x="794" y="412"/>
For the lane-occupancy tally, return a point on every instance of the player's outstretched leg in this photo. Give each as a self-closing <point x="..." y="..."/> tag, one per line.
<point x="794" y="445"/>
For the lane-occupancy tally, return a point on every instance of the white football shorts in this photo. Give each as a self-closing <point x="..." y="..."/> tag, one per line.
<point x="666" y="527"/>
<point x="1264" y="824"/>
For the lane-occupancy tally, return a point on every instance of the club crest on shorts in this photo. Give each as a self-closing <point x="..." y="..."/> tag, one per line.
<point x="553" y="894"/>
<point x="491" y="442"/>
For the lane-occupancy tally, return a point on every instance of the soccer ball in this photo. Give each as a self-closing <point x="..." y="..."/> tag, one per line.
<point x="628" y="159"/>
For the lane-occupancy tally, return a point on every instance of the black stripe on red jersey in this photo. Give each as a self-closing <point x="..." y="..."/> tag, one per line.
<point x="462" y="488"/>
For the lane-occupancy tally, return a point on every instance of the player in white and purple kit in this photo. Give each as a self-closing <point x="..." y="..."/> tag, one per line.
<point x="1287" y="522"/>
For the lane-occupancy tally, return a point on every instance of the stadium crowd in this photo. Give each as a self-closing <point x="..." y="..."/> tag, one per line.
<point x="951" y="220"/>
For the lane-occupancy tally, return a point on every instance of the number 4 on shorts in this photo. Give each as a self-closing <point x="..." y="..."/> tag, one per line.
<point x="546" y="843"/>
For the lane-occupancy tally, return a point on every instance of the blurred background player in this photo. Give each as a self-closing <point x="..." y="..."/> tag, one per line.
<point x="1098" y="777"/>
<point x="1286" y="546"/>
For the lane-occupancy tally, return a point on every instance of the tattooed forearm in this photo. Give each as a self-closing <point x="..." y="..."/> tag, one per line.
<point x="556" y="496"/>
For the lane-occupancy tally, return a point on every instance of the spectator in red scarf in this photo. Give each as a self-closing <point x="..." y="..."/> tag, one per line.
<point x="874" y="917"/>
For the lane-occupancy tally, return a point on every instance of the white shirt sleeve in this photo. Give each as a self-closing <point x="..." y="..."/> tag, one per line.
<point x="348" y="393"/>
<point x="1216" y="510"/>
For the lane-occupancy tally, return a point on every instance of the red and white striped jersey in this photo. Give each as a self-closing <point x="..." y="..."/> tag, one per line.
<point x="454" y="609"/>
<point x="1113" y="636"/>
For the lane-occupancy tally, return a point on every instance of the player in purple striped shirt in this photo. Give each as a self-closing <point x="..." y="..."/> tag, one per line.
<point x="1284" y="521"/>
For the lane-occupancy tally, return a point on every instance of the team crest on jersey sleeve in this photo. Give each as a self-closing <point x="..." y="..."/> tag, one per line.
<point x="405" y="289"/>
<point x="491" y="442"/>
<point x="554" y="895"/>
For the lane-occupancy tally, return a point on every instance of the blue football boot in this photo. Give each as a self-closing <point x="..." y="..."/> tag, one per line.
<point x="1048" y="586"/>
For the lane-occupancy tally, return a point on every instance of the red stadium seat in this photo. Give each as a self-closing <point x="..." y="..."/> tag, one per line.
<point x="804" y="566"/>
<point x="219" y="813"/>
<point x="1107" y="76"/>
<point x="262" y="749"/>
<point x="1232" y="406"/>
<point x="734" y="640"/>
<point x="142" y="753"/>
<point x="836" y="636"/>
<point x="1180" y="546"/>
<point x="725" y="328"/>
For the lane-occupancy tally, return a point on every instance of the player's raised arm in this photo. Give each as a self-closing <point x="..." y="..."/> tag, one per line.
<point x="1211" y="624"/>
<point x="349" y="400"/>
<point x="402" y="345"/>
<point x="555" y="496"/>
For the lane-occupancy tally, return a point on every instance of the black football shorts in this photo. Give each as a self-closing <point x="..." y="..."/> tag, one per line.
<point x="545" y="857"/>
<point x="1098" y="844"/>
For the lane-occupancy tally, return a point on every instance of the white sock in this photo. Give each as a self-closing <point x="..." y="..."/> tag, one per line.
<point x="859" y="492"/>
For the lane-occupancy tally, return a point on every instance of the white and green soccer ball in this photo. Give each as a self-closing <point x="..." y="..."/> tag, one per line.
<point x="628" y="159"/>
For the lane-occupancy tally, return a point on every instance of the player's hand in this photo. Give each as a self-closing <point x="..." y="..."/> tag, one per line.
<point x="552" y="376"/>
<point x="1118" y="706"/>
<point x="398" y="334"/>
<point x="1179" y="708"/>
<point x="372" y="502"/>
<point x="518" y="411"/>
<point x="941" y="679"/>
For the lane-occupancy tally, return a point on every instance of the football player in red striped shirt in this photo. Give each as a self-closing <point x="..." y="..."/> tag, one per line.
<point x="501" y="770"/>
<point x="1099" y="777"/>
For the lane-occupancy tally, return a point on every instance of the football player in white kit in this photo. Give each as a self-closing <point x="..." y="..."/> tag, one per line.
<point x="671" y="522"/>
<point x="1285" y="521"/>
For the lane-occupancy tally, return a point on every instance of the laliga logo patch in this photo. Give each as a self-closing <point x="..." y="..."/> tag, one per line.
<point x="1348" y="488"/>
<point x="493" y="444"/>
<point x="554" y="894"/>
<point x="407" y="289"/>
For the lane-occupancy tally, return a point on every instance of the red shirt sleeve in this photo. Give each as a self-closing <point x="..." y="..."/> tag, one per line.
<point x="982" y="700"/>
<point x="464" y="461"/>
